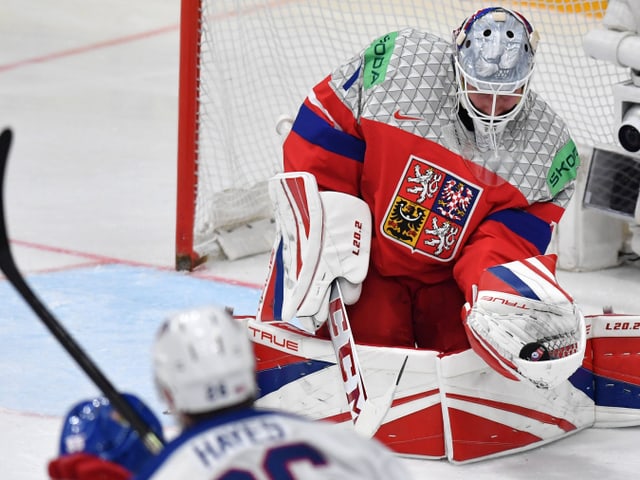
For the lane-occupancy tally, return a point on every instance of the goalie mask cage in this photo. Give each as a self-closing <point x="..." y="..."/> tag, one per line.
<point x="245" y="63"/>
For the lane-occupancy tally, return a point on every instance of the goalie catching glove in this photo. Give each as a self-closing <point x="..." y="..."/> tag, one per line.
<point x="524" y="325"/>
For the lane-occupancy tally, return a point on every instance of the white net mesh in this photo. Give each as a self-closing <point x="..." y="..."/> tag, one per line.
<point x="259" y="59"/>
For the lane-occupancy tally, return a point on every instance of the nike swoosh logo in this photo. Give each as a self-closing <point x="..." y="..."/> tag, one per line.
<point x="399" y="116"/>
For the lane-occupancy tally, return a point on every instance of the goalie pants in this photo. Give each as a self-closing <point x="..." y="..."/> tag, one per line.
<point x="399" y="311"/>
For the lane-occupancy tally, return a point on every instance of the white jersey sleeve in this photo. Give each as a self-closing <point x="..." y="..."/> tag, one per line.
<point x="260" y="445"/>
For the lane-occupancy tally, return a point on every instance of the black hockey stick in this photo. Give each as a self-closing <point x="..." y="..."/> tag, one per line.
<point x="8" y="266"/>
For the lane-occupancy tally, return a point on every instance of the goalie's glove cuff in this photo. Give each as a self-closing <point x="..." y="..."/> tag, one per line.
<point x="524" y="325"/>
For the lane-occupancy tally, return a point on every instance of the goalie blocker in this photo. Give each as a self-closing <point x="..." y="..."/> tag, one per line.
<point x="320" y="237"/>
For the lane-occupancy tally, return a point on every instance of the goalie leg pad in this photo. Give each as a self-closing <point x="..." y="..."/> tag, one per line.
<point x="614" y="342"/>
<point x="297" y="372"/>
<point x="487" y="415"/>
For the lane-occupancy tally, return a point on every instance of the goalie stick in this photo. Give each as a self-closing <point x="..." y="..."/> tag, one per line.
<point x="367" y="414"/>
<point x="13" y="275"/>
<point x="346" y="354"/>
<point x="374" y="410"/>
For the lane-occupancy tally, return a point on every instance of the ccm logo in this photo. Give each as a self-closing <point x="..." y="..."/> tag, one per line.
<point x="504" y="301"/>
<point x="357" y="236"/>
<point x="350" y="375"/>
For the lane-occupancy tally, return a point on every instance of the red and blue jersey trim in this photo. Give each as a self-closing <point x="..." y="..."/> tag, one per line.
<point x="526" y="225"/>
<point x="315" y="130"/>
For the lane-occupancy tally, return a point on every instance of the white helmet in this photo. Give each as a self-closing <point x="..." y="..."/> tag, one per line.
<point x="203" y="361"/>
<point x="495" y="50"/>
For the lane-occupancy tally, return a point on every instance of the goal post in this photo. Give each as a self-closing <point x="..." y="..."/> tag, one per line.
<point x="245" y="63"/>
<point x="186" y="256"/>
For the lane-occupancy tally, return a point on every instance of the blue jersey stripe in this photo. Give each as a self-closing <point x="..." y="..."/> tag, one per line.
<point x="526" y="225"/>
<point x="352" y="80"/>
<point x="318" y="132"/>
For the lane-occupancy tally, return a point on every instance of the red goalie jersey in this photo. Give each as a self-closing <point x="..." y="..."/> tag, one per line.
<point x="447" y="198"/>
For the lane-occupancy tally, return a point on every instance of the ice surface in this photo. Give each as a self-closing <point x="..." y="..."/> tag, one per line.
<point x="90" y="89"/>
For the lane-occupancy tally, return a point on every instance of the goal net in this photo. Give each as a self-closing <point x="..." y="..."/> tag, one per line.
<point x="246" y="63"/>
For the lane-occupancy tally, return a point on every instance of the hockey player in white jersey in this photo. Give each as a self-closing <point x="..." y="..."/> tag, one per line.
<point x="204" y="368"/>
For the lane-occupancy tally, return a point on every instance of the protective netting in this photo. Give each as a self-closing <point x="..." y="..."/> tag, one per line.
<point x="260" y="58"/>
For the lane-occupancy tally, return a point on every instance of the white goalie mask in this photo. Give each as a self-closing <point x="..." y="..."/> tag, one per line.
<point x="495" y="49"/>
<point x="203" y="361"/>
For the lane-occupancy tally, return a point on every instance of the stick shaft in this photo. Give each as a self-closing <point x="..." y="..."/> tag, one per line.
<point x="13" y="275"/>
<point x="346" y="354"/>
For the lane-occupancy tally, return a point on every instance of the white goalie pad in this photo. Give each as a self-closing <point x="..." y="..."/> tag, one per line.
<point x="487" y="415"/>
<point x="455" y="405"/>
<point x="452" y="405"/>
<point x="322" y="236"/>
<point x="297" y="372"/>
<point x="614" y="362"/>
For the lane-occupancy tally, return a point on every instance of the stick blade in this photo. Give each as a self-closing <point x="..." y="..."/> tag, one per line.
<point x="375" y="410"/>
